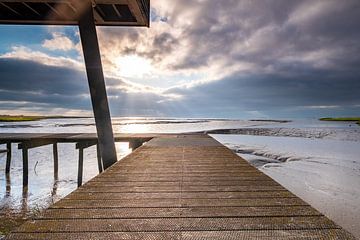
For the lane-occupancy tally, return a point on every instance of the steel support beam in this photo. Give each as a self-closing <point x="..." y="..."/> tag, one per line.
<point x="97" y="87"/>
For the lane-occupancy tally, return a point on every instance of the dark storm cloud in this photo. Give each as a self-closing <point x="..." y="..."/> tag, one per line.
<point x="305" y="55"/>
<point x="267" y="32"/>
<point x="264" y="33"/>
<point x="300" y="56"/>
<point x="272" y="36"/>
<point x="33" y="86"/>
<point x="30" y="76"/>
<point x="240" y="95"/>
<point x="233" y="96"/>
<point x="44" y="100"/>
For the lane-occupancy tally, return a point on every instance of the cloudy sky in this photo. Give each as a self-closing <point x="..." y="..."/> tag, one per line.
<point x="199" y="58"/>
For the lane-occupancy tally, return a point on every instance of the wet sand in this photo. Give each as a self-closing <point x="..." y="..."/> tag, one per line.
<point x="323" y="172"/>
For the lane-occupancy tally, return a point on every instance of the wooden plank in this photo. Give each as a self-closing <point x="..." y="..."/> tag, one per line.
<point x="177" y="224"/>
<point x="186" y="181"/>
<point x="163" y="195"/>
<point x="19" y="137"/>
<point x="168" y="178"/>
<point x="253" y="188"/>
<point x="34" y="143"/>
<point x="304" y="234"/>
<point x="214" y="194"/>
<point x="85" y="144"/>
<point x="245" y="182"/>
<point x="128" y="213"/>
<point x="70" y="137"/>
<point x="176" y="202"/>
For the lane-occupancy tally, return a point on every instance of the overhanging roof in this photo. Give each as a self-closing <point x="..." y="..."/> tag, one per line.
<point x="67" y="12"/>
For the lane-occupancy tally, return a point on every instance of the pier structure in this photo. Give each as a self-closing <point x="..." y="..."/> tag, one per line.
<point x="27" y="141"/>
<point x="86" y="14"/>
<point x="174" y="186"/>
<point x="181" y="187"/>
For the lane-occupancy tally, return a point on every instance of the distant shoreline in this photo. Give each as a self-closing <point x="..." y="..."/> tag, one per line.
<point x="270" y="120"/>
<point x="342" y="119"/>
<point x="25" y="118"/>
<point x="22" y="118"/>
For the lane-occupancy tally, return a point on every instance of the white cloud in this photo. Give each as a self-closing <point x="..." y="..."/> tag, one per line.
<point x="317" y="58"/>
<point x="24" y="53"/>
<point x="322" y="107"/>
<point x="61" y="42"/>
<point x="311" y="10"/>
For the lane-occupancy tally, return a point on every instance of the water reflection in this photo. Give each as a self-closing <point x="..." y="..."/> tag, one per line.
<point x="24" y="200"/>
<point x="54" y="189"/>
<point x="133" y="128"/>
<point x="8" y="186"/>
<point x="45" y="186"/>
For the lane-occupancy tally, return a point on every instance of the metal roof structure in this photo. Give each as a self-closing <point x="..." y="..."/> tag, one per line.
<point x="68" y="12"/>
<point x="87" y="14"/>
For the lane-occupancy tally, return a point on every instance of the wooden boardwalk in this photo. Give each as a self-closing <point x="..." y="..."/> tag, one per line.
<point x="27" y="141"/>
<point x="70" y="137"/>
<point x="181" y="187"/>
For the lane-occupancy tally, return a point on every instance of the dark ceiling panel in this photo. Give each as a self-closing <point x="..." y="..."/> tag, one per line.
<point x="66" y="12"/>
<point x="115" y="12"/>
<point x="107" y="12"/>
<point x="41" y="8"/>
<point x="125" y="13"/>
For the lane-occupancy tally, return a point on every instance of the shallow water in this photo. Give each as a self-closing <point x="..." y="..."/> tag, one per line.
<point x="44" y="188"/>
<point x="128" y="125"/>
<point x="290" y="158"/>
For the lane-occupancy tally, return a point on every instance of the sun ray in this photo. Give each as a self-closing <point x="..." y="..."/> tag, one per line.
<point x="133" y="66"/>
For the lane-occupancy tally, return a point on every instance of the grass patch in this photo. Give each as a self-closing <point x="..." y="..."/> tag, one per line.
<point x="21" y="118"/>
<point x="342" y="119"/>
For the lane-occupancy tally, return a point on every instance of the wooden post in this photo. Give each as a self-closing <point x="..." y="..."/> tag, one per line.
<point x="56" y="161"/>
<point x="8" y="158"/>
<point x="80" y="167"/>
<point x="134" y="144"/>
<point x="99" y="158"/>
<point x="25" y="166"/>
<point x="97" y="87"/>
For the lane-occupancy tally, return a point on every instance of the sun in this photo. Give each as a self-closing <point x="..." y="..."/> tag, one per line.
<point x="133" y="66"/>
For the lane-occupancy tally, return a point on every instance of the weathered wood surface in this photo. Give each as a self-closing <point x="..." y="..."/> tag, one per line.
<point x="181" y="187"/>
<point x="27" y="141"/>
<point x="70" y="137"/>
